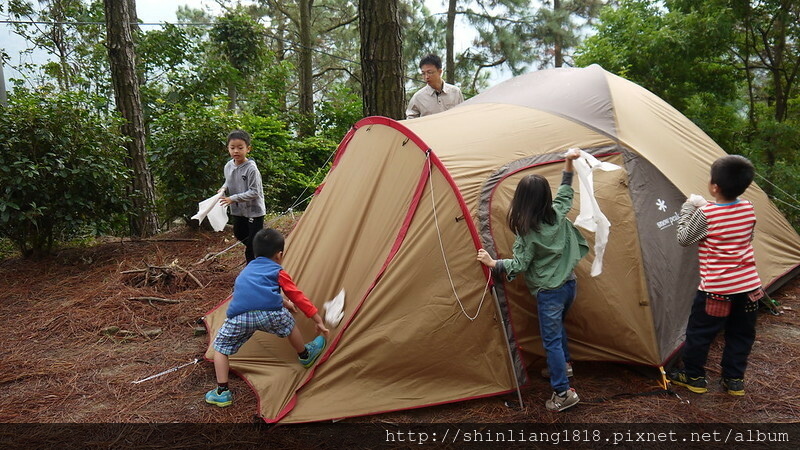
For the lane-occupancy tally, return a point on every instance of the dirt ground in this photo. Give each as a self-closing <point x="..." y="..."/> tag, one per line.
<point x="78" y="330"/>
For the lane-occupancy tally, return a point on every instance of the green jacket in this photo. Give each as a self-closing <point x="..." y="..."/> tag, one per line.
<point x="547" y="257"/>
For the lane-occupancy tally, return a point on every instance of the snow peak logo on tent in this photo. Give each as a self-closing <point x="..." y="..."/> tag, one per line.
<point x="666" y="223"/>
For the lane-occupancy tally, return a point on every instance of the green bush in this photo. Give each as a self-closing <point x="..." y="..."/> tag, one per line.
<point x="290" y="167"/>
<point x="188" y="154"/>
<point x="780" y="178"/>
<point x="187" y="151"/>
<point x="61" y="169"/>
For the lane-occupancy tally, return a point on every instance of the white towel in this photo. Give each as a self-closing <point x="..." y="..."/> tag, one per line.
<point x="697" y="200"/>
<point x="590" y="217"/>
<point x="211" y="209"/>
<point x="334" y="310"/>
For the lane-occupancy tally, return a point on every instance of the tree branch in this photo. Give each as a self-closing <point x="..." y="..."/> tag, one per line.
<point x="492" y="18"/>
<point x="330" y="69"/>
<point x="485" y="66"/>
<point x="339" y="25"/>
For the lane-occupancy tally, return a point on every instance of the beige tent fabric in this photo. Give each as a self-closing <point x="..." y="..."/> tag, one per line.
<point x="473" y="141"/>
<point x="681" y="150"/>
<point x="412" y="344"/>
<point x="601" y="300"/>
<point x="397" y="349"/>
<point x="404" y="341"/>
<point x="351" y="238"/>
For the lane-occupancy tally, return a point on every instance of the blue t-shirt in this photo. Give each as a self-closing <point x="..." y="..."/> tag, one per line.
<point x="256" y="288"/>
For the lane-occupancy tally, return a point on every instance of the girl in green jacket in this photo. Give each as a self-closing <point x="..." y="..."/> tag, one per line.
<point x="546" y="250"/>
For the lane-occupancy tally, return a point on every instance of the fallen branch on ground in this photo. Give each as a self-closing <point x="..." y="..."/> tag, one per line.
<point x="155" y="299"/>
<point x="170" y="240"/>
<point x="211" y="256"/>
<point x="156" y="274"/>
<point x="191" y="275"/>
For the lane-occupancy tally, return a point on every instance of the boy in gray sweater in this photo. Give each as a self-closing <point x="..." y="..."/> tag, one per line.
<point x="245" y="192"/>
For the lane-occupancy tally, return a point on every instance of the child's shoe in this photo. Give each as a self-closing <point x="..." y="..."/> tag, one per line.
<point x="221" y="399"/>
<point x="567" y="399"/>
<point x="734" y="386"/>
<point x="697" y="385"/>
<point x="314" y="348"/>
<point x="546" y="371"/>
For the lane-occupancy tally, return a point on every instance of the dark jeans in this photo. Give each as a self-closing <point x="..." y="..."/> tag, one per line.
<point x="245" y="228"/>
<point x="553" y="306"/>
<point x="740" y="333"/>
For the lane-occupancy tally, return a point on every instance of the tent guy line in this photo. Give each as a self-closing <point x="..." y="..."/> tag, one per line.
<point x="792" y="205"/>
<point x="441" y="246"/>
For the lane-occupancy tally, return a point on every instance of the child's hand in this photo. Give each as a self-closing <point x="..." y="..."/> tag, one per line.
<point x="573" y="153"/>
<point x="289" y="305"/>
<point x="321" y="329"/>
<point x="485" y="259"/>
<point x="319" y="325"/>
<point x="697" y="201"/>
<point x="225" y="201"/>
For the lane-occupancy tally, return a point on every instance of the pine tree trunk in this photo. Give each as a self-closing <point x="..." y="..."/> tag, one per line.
<point x="3" y="95"/>
<point x="306" y="73"/>
<point x="381" y="59"/>
<point x="122" y="57"/>
<point x="450" y="64"/>
<point x="280" y="53"/>
<point x="558" y="57"/>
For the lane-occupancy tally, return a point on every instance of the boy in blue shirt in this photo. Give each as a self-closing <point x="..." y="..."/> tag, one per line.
<point x="257" y="304"/>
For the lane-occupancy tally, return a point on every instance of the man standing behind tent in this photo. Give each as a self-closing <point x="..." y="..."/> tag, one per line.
<point x="437" y="96"/>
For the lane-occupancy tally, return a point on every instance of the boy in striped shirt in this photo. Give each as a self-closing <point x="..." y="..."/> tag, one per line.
<point x="729" y="290"/>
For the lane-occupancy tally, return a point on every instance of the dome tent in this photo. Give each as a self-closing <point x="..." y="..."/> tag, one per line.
<point x="399" y="218"/>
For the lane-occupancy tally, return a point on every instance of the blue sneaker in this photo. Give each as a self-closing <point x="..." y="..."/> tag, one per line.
<point x="220" y="399"/>
<point x="314" y="348"/>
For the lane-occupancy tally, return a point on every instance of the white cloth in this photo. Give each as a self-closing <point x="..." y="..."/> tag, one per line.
<point x="211" y="209"/>
<point x="697" y="201"/>
<point x="334" y="310"/>
<point x="590" y="217"/>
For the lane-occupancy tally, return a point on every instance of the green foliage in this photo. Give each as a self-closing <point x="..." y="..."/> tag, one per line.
<point x="61" y="168"/>
<point x="278" y="164"/>
<point x="238" y="43"/>
<point x="240" y="40"/>
<point x="674" y="54"/>
<point x="184" y="64"/>
<point x="7" y="249"/>
<point x="779" y="178"/>
<point x="66" y="32"/>
<point x="338" y="114"/>
<point x="715" y="61"/>
<point x="334" y="47"/>
<point x="723" y="122"/>
<point x="423" y="33"/>
<point x="188" y="151"/>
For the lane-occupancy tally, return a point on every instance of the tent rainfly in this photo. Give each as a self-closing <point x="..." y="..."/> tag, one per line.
<point x="399" y="217"/>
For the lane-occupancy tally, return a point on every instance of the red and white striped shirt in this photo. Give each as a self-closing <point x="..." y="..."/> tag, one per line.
<point x="727" y="261"/>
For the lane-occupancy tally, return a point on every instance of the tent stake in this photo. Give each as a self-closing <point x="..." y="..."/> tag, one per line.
<point x="508" y="348"/>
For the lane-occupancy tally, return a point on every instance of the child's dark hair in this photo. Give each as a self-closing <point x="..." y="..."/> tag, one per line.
<point x="732" y="174"/>
<point x="239" y="134"/>
<point x="268" y="242"/>
<point x="431" y="59"/>
<point x="532" y="205"/>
